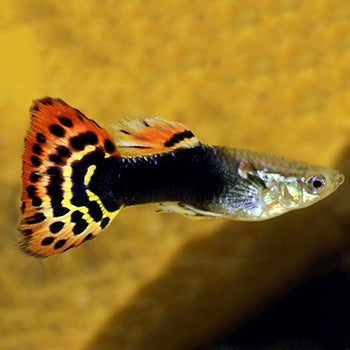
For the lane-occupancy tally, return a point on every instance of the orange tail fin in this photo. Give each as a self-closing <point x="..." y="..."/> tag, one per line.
<point x="58" y="210"/>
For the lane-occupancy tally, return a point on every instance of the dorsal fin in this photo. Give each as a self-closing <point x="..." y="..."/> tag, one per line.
<point x="151" y="136"/>
<point x="62" y="149"/>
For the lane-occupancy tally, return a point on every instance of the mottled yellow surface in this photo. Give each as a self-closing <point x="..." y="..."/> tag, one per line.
<point x="267" y="75"/>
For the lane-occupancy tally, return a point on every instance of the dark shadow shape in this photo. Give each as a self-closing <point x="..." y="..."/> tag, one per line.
<point x="314" y="316"/>
<point x="225" y="278"/>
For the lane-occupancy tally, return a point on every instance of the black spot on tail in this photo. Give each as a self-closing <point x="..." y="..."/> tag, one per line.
<point x="27" y="232"/>
<point x="36" y="202"/>
<point x="80" y="227"/>
<point x="79" y="142"/>
<point x="37" y="149"/>
<point x="105" y="222"/>
<point x="76" y="215"/>
<point x="57" y="130"/>
<point x="109" y="146"/>
<point x="35" y="219"/>
<point x="63" y="151"/>
<point x="40" y="137"/>
<point x="34" y="177"/>
<point x="80" y="223"/>
<point x="31" y="191"/>
<point x="35" y="161"/>
<point x="59" y="244"/>
<point x="54" y="158"/>
<point x="47" y="241"/>
<point x="88" y="237"/>
<point x="56" y="226"/>
<point x="95" y="211"/>
<point x="55" y="191"/>
<point x="66" y="122"/>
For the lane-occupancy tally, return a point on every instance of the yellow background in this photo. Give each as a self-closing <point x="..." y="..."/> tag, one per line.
<point x="272" y="76"/>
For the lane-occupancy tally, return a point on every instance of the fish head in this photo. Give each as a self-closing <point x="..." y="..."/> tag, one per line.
<point x="299" y="186"/>
<point x="319" y="183"/>
<point x="266" y="185"/>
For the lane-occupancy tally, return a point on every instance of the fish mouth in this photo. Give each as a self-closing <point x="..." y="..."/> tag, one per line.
<point x="339" y="180"/>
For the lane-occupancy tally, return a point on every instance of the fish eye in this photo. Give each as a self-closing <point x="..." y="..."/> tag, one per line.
<point x="315" y="184"/>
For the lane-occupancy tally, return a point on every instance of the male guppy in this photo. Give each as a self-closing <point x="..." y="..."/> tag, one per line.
<point x="76" y="178"/>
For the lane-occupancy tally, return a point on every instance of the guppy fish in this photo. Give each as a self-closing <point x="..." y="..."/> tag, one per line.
<point x="76" y="178"/>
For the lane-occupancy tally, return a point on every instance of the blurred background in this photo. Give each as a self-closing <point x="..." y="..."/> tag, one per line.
<point x="266" y="75"/>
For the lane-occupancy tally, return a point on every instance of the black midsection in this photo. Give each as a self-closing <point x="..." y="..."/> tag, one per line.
<point x="191" y="175"/>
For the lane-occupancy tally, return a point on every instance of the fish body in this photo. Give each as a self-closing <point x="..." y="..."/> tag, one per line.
<point x="218" y="181"/>
<point x="76" y="178"/>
